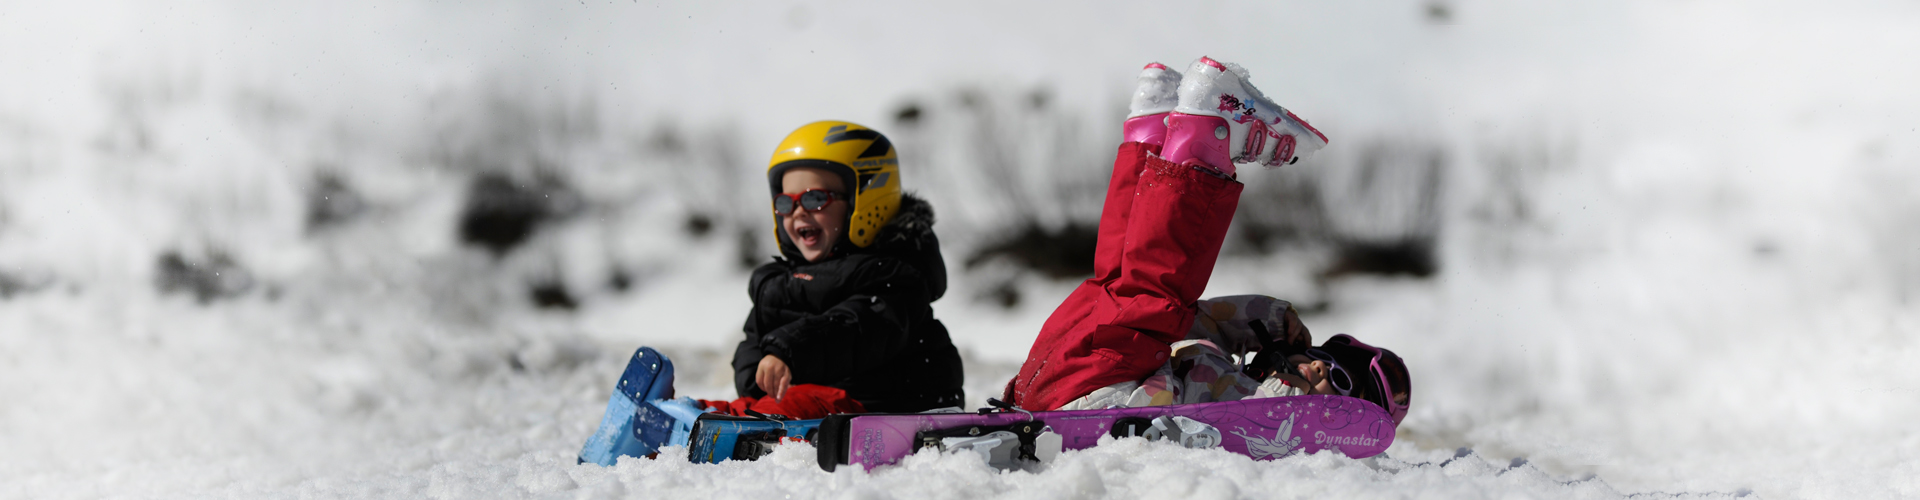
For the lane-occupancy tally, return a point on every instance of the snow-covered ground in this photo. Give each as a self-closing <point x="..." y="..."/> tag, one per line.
<point x="1678" y="250"/>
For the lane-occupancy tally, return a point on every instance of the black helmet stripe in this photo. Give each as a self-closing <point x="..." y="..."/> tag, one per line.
<point x="847" y="135"/>
<point x="880" y="147"/>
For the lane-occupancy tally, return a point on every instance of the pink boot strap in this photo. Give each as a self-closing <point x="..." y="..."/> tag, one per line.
<point x="1196" y="139"/>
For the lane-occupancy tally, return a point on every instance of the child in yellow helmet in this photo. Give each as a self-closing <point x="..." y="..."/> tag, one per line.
<point x="842" y="320"/>
<point x="846" y="308"/>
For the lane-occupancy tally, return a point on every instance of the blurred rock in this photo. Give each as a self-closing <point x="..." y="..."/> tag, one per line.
<point x="1439" y="12"/>
<point x="619" y="280"/>
<point x="552" y="295"/>
<point x="17" y="283"/>
<point x="212" y="277"/>
<point x="698" y="225"/>
<point x="1410" y="257"/>
<point x="500" y="214"/>
<point x="1006" y="295"/>
<point x="907" y="116"/>
<point x="331" y="201"/>
<point x="1061" y="253"/>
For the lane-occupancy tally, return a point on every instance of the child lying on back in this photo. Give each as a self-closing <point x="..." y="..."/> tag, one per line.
<point x="1136" y="333"/>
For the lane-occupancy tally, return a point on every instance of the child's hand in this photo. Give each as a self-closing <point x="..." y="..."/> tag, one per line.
<point x="773" y="377"/>
<point x="1293" y="333"/>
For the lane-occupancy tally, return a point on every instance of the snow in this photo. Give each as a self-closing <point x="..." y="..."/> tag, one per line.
<point x="1677" y="248"/>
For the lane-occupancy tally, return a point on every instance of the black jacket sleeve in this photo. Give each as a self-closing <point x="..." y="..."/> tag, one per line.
<point x="746" y="356"/>
<point x="871" y="322"/>
<point x="746" y="363"/>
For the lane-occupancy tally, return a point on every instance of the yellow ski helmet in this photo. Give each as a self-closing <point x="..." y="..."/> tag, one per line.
<point x="865" y="162"/>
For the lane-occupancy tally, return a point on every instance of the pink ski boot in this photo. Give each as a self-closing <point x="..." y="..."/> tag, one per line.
<point x="1152" y="100"/>
<point x="1221" y="119"/>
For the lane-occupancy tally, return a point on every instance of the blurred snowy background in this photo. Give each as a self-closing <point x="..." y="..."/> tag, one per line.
<point x="298" y="249"/>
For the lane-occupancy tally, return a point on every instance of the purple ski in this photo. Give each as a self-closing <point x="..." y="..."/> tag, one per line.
<point x="1264" y="429"/>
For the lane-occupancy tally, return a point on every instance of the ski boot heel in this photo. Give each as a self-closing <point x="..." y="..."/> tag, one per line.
<point x="649" y="376"/>
<point x="632" y="427"/>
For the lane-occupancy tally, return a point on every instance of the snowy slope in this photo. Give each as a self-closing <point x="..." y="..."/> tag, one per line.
<point x="1678" y="252"/>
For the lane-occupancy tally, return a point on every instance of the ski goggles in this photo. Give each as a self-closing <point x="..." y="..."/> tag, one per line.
<point x="812" y="200"/>
<point x="1336" y="374"/>
<point x="1386" y="371"/>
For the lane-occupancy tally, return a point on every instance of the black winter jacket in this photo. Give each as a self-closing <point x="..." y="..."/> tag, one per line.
<point x="862" y="321"/>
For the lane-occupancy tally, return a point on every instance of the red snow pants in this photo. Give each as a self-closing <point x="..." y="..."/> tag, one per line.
<point x="803" y="401"/>
<point x="1160" y="233"/>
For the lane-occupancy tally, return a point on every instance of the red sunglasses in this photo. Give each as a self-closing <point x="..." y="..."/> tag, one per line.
<point x="812" y="199"/>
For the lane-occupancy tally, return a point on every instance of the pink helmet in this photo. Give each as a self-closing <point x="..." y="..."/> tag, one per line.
<point x="1385" y="381"/>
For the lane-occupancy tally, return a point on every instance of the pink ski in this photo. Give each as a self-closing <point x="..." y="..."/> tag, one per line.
<point x="1263" y="429"/>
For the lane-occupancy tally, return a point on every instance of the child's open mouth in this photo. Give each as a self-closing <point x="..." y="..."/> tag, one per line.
<point x="807" y="236"/>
